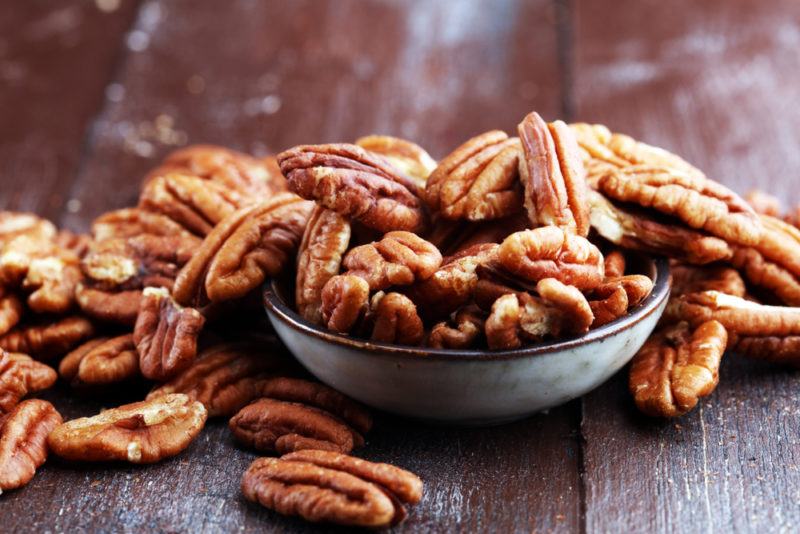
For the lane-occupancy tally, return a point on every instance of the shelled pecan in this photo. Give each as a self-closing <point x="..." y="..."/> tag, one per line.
<point x="616" y="295"/>
<point x="119" y="307"/>
<point x="692" y="279"/>
<point x="131" y="222"/>
<point x="767" y="275"/>
<point x="466" y="329"/>
<point x="763" y="203"/>
<point x="51" y="282"/>
<point x="408" y="157"/>
<point x="395" y="320"/>
<point x="46" y="341"/>
<point x="11" y="310"/>
<point x="101" y="361"/>
<point x="614" y="264"/>
<point x="345" y="299"/>
<point x="142" y="432"/>
<point x="23" y="441"/>
<point x="774" y="349"/>
<point x="20" y="375"/>
<point x="14" y="224"/>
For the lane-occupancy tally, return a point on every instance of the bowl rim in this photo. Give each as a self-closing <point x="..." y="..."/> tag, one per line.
<point x="277" y="308"/>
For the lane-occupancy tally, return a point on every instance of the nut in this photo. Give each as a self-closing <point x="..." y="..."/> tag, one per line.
<point x="23" y="441"/>
<point x="410" y="158"/>
<point x="120" y="307"/>
<point x="52" y="281"/>
<point x="692" y="279"/>
<point x="325" y="241"/>
<point x="609" y="308"/>
<point x="322" y="486"/>
<point x="614" y="297"/>
<point x="165" y="335"/>
<point x="774" y="349"/>
<point x="550" y="252"/>
<point x="344" y="302"/>
<point x="244" y="249"/>
<point x="676" y="367"/>
<point x="101" y="361"/>
<point x="19" y="376"/>
<point x="614" y="263"/>
<point x="11" y="310"/>
<point x="553" y="175"/>
<point x="17" y="254"/>
<point x="142" y="432"/>
<point x="356" y="184"/>
<point x="479" y="180"/>
<point x="767" y="275"/>
<point x="464" y="333"/>
<point x="763" y="203"/>
<point x="131" y="222"/>
<point x="396" y="320"/>
<point x="15" y="224"/>
<point x="48" y="341"/>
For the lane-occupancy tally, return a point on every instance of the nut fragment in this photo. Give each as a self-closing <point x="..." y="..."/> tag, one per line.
<point x="468" y="326"/>
<point x="676" y="367"/>
<point x="165" y="335"/>
<point x="47" y="341"/>
<point x="142" y="432"/>
<point x="325" y="241"/>
<point x="351" y="181"/>
<point x="101" y="361"/>
<point x="19" y="376"/>
<point x="553" y="175"/>
<point x="23" y="441"/>
<point x="408" y="157"/>
<point x="344" y="301"/>
<point x="396" y="320"/>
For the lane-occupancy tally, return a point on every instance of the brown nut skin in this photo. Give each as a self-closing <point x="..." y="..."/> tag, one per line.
<point x="19" y="376"/>
<point x="479" y="180"/>
<point x="408" y="157"/>
<point x="280" y="426"/>
<point x="101" y="361"/>
<point x="23" y="441"/>
<point x="11" y="310"/>
<point x="676" y="367"/>
<point x="550" y="252"/>
<point x="141" y="433"/>
<point x="119" y="307"/>
<point x="614" y="263"/>
<point x="692" y="279"/>
<point x="165" y="335"/>
<point x="325" y="241"/>
<point x="553" y="175"/>
<point x="236" y="257"/>
<point x="344" y="301"/>
<point x="396" y="321"/>
<point x="465" y="332"/>
<point x="48" y="341"/>
<point x="131" y="222"/>
<point x="355" y="183"/>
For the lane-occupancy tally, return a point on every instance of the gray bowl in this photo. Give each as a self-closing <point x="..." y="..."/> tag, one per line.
<point x="468" y="386"/>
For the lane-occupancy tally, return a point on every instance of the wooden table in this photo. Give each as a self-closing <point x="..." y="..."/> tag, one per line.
<point x="92" y="94"/>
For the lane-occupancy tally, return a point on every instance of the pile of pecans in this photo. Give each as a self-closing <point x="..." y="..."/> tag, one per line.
<point x="505" y="242"/>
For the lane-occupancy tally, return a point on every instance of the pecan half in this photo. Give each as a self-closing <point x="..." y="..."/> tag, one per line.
<point x="553" y="175"/>
<point x="610" y="307"/>
<point x="638" y="231"/>
<point x="23" y="441"/>
<point x="101" y="361"/>
<point x="14" y="224"/>
<point x="358" y="185"/>
<point x="131" y="222"/>
<point x="615" y="296"/>
<point x="111" y="306"/>
<point x="464" y="333"/>
<point x="19" y="376"/>
<point x="322" y="486"/>
<point x="550" y="252"/>
<point x="165" y="334"/>
<point x="692" y="279"/>
<point x="11" y="310"/>
<point x="325" y="241"/>
<point x="396" y="320"/>
<point x="48" y="341"/>
<point x="763" y="203"/>
<point x="408" y="157"/>
<point x="17" y="254"/>
<point x="237" y="256"/>
<point x="767" y="275"/>
<point x="479" y="180"/>
<point x="51" y="282"/>
<point x="676" y="367"/>
<point x="344" y="301"/>
<point x="142" y="432"/>
<point x="773" y="349"/>
<point x="614" y="263"/>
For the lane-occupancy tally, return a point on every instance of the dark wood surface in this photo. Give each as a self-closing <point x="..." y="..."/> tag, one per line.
<point x="90" y="99"/>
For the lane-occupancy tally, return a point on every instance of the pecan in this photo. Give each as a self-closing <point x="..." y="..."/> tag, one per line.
<point x="614" y="263"/>
<point x="322" y="486"/>
<point x="553" y="175"/>
<point x="112" y="306"/>
<point x="325" y="241"/>
<point x="408" y="157"/>
<point x="638" y="231"/>
<point x="610" y="307"/>
<point x="131" y="222"/>
<point x="691" y="279"/>
<point x="244" y="249"/>
<point x="23" y="441"/>
<point x="676" y="367"/>
<point x="550" y="252"/>
<point x="464" y="333"/>
<point x="503" y="324"/>
<point x="766" y="275"/>
<point x="344" y="301"/>
<point x="196" y="204"/>
<point x="48" y="341"/>
<point x="780" y="243"/>
<point x="19" y="376"/>
<point x="52" y="281"/>
<point x="141" y="433"/>
<point x="165" y="335"/>
<point x="396" y="320"/>
<point x="773" y="349"/>
<point x="572" y="311"/>
<point x="18" y="253"/>
<point x="399" y="258"/>
<point x="615" y="296"/>
<point x="479" y="180"/>
<point x="101" y="361"/>
<point x="763" y="203"/>
<point x="11" y="310"/>
<point x="696" y="201"/>
<point x="15" y="224"/>
<point x="358" y="185"/>
<point x="453" y="237"/>
<point x="77" y="244"/>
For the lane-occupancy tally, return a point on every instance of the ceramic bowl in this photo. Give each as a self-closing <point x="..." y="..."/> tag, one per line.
<point x="471" y="387"/>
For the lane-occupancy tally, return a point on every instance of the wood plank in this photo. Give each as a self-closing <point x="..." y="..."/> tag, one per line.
<point x="712" y="81"/>
<point x="260" y="77"/>
<point x="55" y="61"/>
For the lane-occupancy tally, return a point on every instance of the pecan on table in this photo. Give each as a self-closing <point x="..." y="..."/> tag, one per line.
<point x="319" y="258"/>
<point x="676" y="367"/>
<point x="11" y="310"/>
<point x="638" y="231"/>
<point x="395" y="320"/>
<point x="110" y="306"/>
<point x="763" y="203"/>
<point x="48" y="341"/>
<point x="355" y="183"/>
<point x="243" y="250"/>
<point x="101" y="361"/>
<point x="773" y="349"/>
<point x="14" y="224"/>
<point x="553" y="175"/>
<point x="23" y="441"/>
<point x="693" y="279"/>
<point x="131" y="222"/>
<point x="165" y="335"/>
<point x="408" y="157"/>
<point x="322" y="486"/>
<point x="19" y="376"/>
<point x="464" y="332"/>
<point x="550" y="252"/>
<point x="345" y="299"/>
<point x="479" y="180"/>
<point x="142" y="432"/>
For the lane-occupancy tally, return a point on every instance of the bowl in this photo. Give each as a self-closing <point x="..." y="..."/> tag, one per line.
<point x="468" y="387"/>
